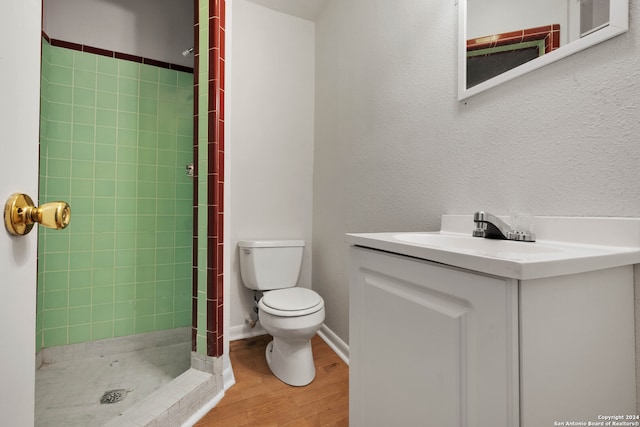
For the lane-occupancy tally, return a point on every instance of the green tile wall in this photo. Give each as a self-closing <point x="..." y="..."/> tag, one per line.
<point x="115" y="139"/>
<point x="203" y="178"/>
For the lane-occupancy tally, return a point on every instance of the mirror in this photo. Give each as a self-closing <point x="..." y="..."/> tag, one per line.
<point x="502" y="39"/>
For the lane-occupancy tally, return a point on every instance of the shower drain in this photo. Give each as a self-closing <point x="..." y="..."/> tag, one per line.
<point x="113" y="396"/>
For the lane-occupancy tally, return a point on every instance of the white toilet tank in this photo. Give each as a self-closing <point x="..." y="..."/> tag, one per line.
<point x="270" y="264"/>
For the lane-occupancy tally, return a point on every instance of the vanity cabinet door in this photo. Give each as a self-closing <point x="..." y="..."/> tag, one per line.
<point x="430" y="345"/>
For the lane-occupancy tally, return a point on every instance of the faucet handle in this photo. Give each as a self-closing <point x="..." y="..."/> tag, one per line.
<point x="521" y="221"/>
<point x="521" y="226"/>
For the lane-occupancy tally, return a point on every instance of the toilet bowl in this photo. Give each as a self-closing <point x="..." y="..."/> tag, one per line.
<point x="289" y="355"/>
<point x="291" y="315"/>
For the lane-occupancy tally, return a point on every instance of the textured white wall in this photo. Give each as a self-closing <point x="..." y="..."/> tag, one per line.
<point x="155" y="29"/>
<point x="271" y="138"/>
<point x="394" y="150"/>
<point x="306" y="9"/>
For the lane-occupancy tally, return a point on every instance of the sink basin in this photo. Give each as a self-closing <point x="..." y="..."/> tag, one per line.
<point x="587" y="244"/>
<point x="486" y="247"/>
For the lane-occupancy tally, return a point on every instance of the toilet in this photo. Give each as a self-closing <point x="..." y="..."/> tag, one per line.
<point x="291" y="315"/>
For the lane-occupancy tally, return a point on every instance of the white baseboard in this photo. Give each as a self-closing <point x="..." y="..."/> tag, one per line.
<point x="340" y="347"/>
<point x="241" y="332"/>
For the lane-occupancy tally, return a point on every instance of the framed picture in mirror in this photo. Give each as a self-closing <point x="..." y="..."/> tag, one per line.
<point x="490" y="56"/>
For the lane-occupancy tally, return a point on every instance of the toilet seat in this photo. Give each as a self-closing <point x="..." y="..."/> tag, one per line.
<point x="291" y="302"/>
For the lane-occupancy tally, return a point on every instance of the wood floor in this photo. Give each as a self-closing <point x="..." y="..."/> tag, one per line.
<point x="260" y="399"/>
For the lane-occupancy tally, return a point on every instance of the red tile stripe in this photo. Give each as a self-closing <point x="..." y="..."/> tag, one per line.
<point x="549" y="33"/>
<point x="215" y="196"/>
<point x="113" y="54"/>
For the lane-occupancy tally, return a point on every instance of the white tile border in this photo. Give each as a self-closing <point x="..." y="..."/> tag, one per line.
<point x="112" y="346"/>
<point x="175" y="404"/>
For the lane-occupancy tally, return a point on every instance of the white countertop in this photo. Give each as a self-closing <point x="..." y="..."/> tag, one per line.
<point x="587" y="244"/>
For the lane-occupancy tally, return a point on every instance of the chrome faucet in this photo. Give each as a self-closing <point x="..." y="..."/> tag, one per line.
<point x="492" y="227"/>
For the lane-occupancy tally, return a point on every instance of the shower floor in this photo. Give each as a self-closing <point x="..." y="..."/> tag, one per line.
<point x="68" y="392"/>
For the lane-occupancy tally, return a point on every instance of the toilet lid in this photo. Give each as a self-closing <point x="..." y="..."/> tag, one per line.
<point x="291" y="299"/>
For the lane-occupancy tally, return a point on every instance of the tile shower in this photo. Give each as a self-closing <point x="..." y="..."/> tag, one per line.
<point x="115" y="138"/>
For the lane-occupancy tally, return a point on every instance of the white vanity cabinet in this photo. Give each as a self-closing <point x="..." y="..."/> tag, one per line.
<point x="435" y="345"/>
<point x="430" y="345"/>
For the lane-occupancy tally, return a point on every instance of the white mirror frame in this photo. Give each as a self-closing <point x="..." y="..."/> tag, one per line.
<point x="618" y="24"/>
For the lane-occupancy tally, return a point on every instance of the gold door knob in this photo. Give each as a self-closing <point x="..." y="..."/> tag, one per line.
<point x="20" y="214"/>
